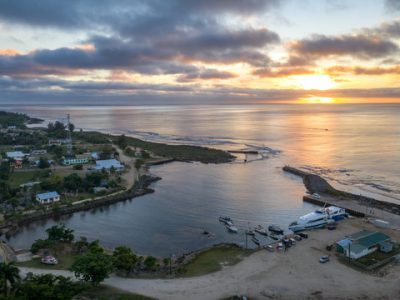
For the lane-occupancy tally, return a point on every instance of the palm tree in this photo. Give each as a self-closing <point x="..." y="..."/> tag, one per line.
<point x="9" y="274"/>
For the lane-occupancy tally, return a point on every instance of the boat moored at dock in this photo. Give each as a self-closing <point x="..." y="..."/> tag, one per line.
<point x="318" y="218"/>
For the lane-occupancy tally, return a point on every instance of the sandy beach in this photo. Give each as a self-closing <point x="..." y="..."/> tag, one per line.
<point x="295" y="274"/>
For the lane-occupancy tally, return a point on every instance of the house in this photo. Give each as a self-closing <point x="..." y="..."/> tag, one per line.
<point x="108" y="164"/>
<point x="363" y="243"/>
<point x="38" y="152"/>
<point x="78" y="160"/>
<point x="47" y="198"/>
<point x="95" y="155"/>
<point x="17" y="155"/>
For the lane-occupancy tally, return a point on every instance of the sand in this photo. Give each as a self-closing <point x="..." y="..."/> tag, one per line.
<point x="295" y="274"/>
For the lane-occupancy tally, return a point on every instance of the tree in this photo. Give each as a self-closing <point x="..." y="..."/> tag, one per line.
<point x="124" y="259"/>
<point x="81" y="245"/>
<point x="5" y="170"/>
<point x="122" y="141"/>
<point x="60" y="233"/>
<point x="9" y="275"/>
<point x="138" y="164"/>
<point x="71" y="127"/>
<point x="93" y="267"/>
<point x="40" y="244"/>
<point x="43" y="163"/>
<point x="48" y="287"/>
<point x="150" y="262"/>
<point x="73" y="182"/>
<point x="78" y="167"/>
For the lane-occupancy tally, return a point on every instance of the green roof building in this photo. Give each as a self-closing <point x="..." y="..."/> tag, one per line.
<point x="363" y="243"/>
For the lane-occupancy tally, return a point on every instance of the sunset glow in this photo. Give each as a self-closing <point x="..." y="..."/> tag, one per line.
<point x="206" y="51"/>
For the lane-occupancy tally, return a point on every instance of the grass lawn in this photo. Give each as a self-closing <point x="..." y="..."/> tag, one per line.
<point x="18" y="178"/>
<point x="377" y="256"/>
<point x="213" y="260"/>
<point x="107" y="293"/>
<point x="64" y="263"/>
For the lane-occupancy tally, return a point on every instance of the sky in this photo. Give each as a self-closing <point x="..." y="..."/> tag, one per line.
<point x="200" y="52"/>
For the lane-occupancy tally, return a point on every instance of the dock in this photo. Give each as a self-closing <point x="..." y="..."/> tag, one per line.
<point x="325" y="202"/>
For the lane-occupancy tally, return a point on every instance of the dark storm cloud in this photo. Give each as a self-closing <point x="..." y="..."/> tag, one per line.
<point x="361" y="46"/>
<point x="92" y="14"/>
<point x="148" y="37"/>
<point x="206" y="74"/>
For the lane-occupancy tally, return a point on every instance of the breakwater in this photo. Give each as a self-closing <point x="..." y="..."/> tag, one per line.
<point x="316" y="184"/>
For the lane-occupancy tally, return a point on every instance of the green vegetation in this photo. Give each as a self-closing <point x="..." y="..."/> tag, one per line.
<point x="178" y="152"/>
<point x="108" y="293"/>
<point x="124" y="259"/>
<point x="15" y="119"/>
<point x="9" y="275"/>
<point x="378" y="256"/>
<point x="93" y="266"/>
<point x="213" y="260"/>
<point x="65" y="261"/>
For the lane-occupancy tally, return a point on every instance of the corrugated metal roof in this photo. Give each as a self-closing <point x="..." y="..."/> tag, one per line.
<point x="108" y="163"/>
<point x="47" y="195"/>
<point x="373" y="239"/>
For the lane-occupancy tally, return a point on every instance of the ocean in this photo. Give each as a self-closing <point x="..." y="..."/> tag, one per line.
<point x="355" y="147"/>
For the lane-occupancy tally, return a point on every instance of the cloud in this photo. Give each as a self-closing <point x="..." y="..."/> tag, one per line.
<point x="392" y="5"/>
<point x="358" y="70"/>
<point x="206" y="74"/>
<point x="360" y="46"/>
<point x="282" y="72"/>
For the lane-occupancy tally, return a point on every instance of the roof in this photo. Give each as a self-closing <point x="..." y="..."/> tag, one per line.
<point x="108" y="163"/>
<point x="373" y="239"/>
<point x="15" y="154"/>
<point x="363" y="239"/>
<point x="47" y="195"/>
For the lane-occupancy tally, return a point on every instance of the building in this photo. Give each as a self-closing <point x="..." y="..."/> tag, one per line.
<point x="75" y="161"/>
<point x="363" y="243"/>
<point x="17" y="155"/>
<point x="47" y="198"/>
<point x="108" y="164"/>
<point x="38" y="152"/>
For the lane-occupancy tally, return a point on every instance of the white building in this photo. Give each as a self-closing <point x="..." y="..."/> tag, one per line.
<point x="47" y="198"/>
<point x="107" y="164"/>
<point x="17" y="155"/>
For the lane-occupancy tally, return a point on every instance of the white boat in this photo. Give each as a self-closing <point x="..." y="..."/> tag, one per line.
<point x="260" y="230"/>
<point x="318" y="218"/>
<point x="232" y="228"/>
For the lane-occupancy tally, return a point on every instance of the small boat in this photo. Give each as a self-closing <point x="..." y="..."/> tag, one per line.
<point x="232" y="228"/>
<point x="250" y="232"/>
<point x="225" y="220"/>
<point x="260" y="230"/>
<point x="275" y="229"/>
<point x="255" y="240"/>
<point x="269" y="248"/>
<point x="274" y="237"/>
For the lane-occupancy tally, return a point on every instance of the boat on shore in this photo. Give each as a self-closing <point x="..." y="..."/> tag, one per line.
<point x="225" y="220"/>
<point x="250" y="232"/>
<point x="275" y="229"/>
<point x="260" y="230"/>
<point x="232" y="228"/>
<point x="255" y="240"/>
<point x="274" y="236"/>
<point x="318" y="219"/>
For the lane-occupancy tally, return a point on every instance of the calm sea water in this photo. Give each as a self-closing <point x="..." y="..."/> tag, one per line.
<point x="357" y="147"/>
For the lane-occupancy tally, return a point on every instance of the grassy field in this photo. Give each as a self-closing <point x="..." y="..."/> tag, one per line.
<point x="18" y="178"/>
<point x="107" y="293"/>
<point x="64" y="263"/>
<point x="213" y="260"/>
<point x="178" y="152"/>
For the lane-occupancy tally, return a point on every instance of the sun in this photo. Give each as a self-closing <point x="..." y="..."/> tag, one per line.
<point x="317" y="100"/>
<point x="314" y="82"/>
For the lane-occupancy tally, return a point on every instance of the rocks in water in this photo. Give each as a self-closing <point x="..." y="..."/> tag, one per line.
<point x="316" y="184"/>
